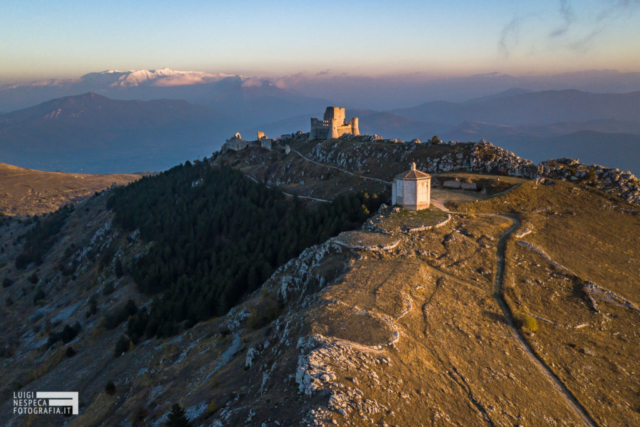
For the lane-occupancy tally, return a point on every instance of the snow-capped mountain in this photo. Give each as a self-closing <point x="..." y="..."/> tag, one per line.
<point x="163" y="77"/>
<point x="229" y="94"/>
<point x="116" y="78"/>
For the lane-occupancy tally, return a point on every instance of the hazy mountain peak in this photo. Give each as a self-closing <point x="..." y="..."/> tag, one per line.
<point x="132" y="78"/>
<point x="160" y="77"/>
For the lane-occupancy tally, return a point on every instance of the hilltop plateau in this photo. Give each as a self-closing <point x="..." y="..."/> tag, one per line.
<point x="31" y="192"/>
<point x="512" y="300"/>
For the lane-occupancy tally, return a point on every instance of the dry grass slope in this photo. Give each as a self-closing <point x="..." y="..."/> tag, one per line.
<point x="31" y="192"/>
<point x="571" y="236"/>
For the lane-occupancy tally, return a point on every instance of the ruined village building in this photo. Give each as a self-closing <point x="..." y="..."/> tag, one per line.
<point x="235" y="143"/>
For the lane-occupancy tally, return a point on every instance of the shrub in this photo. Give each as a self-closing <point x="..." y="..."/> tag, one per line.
<point x="177" y="417"/>
<point x="122" y="346"/>
<point x="70" y="332"/>
<point x="121" y="314"/>
<point x="212" y="408"/>
<point x="526" y="321"/>
<point x="138" y="416"/>
<point x="7" y="282"/>
<point x="119" y="268"/>
<point x="108" y="289"/>
<point x="7" y="351"/>
<point x="34" y="278"/>
<point x="267" y="311"/>
<point x="93" y="306"/>
<point x="70" y="352"/>
<point x="39" y="296"/>
<point x="106" y="258"/>
<point x="224" y="330"/>
<point x="67" y="334"/>
<point x="22" y="261"/>
<point x="110" y="388"/>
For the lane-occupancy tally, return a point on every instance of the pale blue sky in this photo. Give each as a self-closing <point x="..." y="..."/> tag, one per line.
<point x="68" y="38"/>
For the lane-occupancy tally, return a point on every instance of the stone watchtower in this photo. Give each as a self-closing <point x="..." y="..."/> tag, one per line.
<point x="333" y="125"/>
<point x="411" y="189"/>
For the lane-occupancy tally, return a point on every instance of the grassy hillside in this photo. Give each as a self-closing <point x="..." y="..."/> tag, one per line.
<point x="575" y="266"/>
<point x="32" y="192"/>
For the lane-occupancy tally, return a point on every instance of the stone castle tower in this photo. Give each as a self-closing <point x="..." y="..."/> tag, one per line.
<point x="333" y="125"/>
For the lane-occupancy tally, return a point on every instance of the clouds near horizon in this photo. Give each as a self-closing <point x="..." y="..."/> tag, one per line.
<point x="43" y="39"/>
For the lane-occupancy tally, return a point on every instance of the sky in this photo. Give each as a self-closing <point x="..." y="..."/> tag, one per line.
<point x="67" y="38"/>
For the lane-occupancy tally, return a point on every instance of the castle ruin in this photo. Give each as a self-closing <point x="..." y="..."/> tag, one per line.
<point x="334" y="125"/>
<point x="235" y="143"/>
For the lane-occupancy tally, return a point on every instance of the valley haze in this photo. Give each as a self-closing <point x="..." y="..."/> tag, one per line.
<point x="188" y="114"/>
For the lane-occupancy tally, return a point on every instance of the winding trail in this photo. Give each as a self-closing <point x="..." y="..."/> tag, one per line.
<point x="542" y="367"/>
<point x="289" y="194"/>
<point x="340" y="169"/>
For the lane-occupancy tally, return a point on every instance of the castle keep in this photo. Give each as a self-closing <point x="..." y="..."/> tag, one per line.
<point x="333" y="126"/>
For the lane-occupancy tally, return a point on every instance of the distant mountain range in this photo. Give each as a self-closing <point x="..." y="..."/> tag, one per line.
<point x="398" y="91"/>
<point x="619" y="150"/>
<point x="198" y="111"/>
<point x="96" y="134"/>
<point x="531" y="108"/>
<point x="238" y="99"/>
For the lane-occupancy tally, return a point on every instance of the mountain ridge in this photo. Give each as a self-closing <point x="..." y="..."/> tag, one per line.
<point x="89" y="131"/>
<point x="532" y="108"/>
<point x="238" y="93"/>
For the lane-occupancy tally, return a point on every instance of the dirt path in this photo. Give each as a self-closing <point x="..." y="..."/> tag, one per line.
<point x="288" y="194"/>
<point x="497" y="287"/>
<point x="340" y="169"/>
<point x="497" y="294"/>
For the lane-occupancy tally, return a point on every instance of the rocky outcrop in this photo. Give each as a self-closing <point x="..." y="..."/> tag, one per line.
<point x="610" y="180"/>
<point x="594" y="291"/>
<point x="361" y="155"/>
